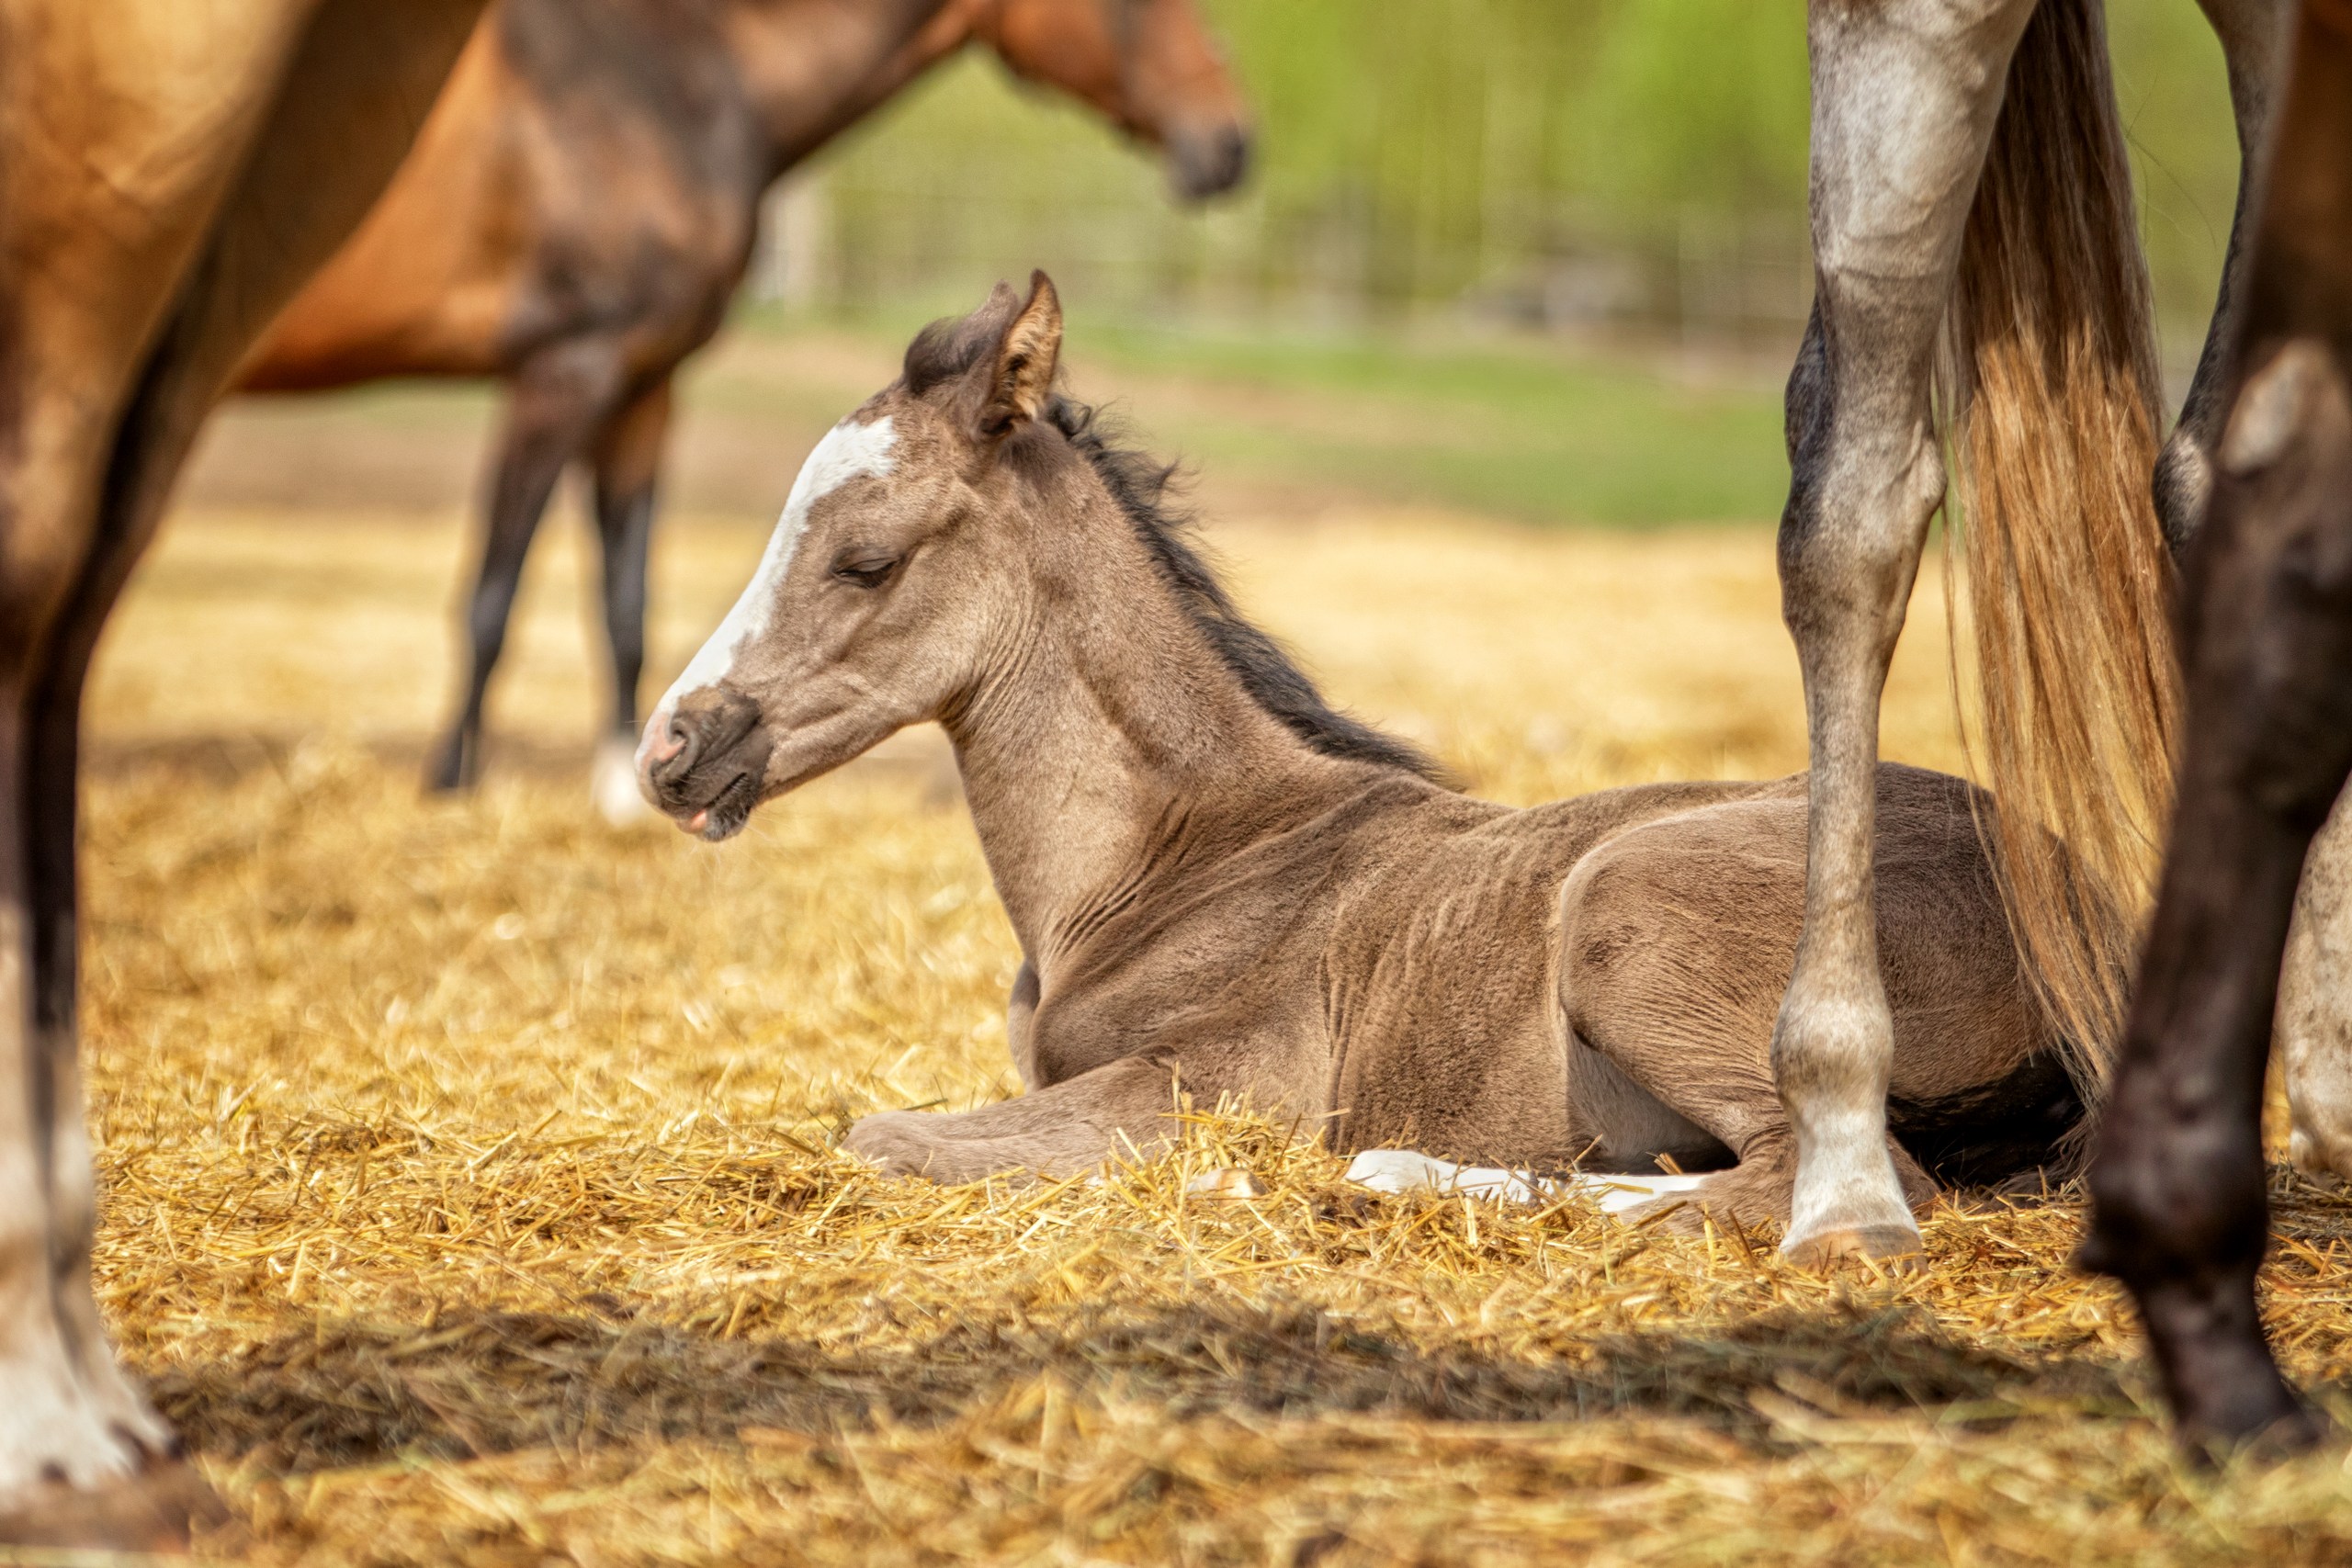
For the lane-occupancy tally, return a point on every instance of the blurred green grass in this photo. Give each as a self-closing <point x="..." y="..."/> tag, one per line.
<point x="1528" y="430"/>
<point x="1271" y="423"/>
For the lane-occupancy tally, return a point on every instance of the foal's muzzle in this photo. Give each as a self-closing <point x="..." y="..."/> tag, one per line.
<point x="711" y="781"/>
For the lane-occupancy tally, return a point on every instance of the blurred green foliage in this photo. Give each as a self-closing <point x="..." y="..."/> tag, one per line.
<point x="1536" y="159"/>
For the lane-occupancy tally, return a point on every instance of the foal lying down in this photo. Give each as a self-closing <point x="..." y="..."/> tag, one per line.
<point x="1220" y="883"/>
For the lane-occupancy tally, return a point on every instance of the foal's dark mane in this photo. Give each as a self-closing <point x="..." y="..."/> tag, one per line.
<point x="1140" y="484"/>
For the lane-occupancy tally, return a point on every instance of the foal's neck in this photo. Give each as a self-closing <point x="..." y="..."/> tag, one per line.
<point x="1113" y="749"/>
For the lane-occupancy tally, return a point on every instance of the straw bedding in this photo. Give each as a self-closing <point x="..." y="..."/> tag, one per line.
<point x="471" y="1195"/>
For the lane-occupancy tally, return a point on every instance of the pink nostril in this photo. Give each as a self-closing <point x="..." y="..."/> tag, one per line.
<point x="668" y="746"/>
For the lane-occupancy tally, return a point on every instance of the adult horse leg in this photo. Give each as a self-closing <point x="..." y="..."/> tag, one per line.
<point x="2179" y="1207"/>
<point x="2314" y="1029"/>
<point x="627" y="459"/>
<point x="2253" y="35"/>
<point x="561" y="396"/>
<point x="1905" y="97"/>
<point x="349" y="87"/>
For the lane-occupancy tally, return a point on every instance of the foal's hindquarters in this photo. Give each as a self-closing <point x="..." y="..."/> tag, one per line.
<point x="1676" y="941"/>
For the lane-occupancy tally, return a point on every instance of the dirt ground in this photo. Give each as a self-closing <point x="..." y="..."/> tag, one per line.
<point x="469" y="1195"/>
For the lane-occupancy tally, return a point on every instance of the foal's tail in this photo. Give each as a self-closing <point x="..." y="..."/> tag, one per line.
<point x="2051" y="387"/>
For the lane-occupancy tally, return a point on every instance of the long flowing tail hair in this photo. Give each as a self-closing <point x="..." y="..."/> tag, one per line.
<point x="2051" y="387"/>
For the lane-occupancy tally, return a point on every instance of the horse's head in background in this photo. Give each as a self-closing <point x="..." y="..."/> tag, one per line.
<point x="907" y="553"/>
<point x="1151" y="65"/>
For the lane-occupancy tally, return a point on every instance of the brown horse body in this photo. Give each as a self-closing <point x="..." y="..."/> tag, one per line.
<point x="582" y="203"/>
<point x="1221" y="885"/>
<point x="169" y="174"/>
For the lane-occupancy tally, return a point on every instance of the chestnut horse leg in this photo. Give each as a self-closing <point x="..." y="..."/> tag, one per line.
<point x="561" y="397"/>
<point x="2179" y="1210"/>
<point x="627" y="460"/>
<point x="1905" y="97"/>
<point x="291" y="181"/>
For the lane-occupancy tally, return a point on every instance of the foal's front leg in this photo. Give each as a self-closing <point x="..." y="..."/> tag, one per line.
<point x="1122" y="1109"/>
<point x="1905" y="97"/>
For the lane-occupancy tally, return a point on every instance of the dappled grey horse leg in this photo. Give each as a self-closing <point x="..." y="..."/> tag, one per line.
<point x="558" y="399"/>
<point x="1122" y="1109"/>
<point x="1905" y="97"/>
<point x="2179" y="1210"/>
<point x="628" y="462"/>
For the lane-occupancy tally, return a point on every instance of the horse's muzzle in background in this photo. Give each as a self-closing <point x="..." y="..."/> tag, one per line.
<point x="712" y="781"/>
<point x="1207" y="159"/>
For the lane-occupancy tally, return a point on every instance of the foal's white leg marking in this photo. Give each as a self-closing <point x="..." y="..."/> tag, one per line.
<point x="2315" y="1005"/>
<point x="1410" y="1170"/>
<point x="1904" y="98"/>
<point x="849" y="451"/>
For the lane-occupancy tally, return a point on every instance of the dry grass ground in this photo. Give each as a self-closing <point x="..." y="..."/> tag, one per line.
<point x="469" y="1192"/>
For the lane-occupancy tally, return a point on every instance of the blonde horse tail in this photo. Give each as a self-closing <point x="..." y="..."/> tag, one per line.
<point x="2052" y="387"/>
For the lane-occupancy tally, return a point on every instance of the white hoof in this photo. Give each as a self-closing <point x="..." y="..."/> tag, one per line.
<point x="613" y="783"/>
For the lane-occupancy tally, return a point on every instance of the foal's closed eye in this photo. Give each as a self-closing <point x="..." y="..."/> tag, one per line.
<point x="866" y="570"/>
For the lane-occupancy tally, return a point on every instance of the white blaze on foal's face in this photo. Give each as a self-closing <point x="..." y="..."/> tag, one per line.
<point x="849" y="451"/>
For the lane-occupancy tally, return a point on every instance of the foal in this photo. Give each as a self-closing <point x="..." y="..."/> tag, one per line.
<point x="1221" y="885"/>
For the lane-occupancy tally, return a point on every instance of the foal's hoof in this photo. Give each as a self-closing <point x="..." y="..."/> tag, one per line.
<point x="892" y="1142"/>
<point x="156" y="1511"/>
<point x="1888" y="1246"/>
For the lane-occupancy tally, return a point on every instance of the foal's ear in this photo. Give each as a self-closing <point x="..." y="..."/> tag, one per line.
<point x="1026" y="358"/>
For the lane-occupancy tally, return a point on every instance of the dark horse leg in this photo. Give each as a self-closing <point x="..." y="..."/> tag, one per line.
<point x="628" y="464"/>
<point x="2179" y="1211"/>
<point x="2253" y="34"/>
<point x="560" y="397"/>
